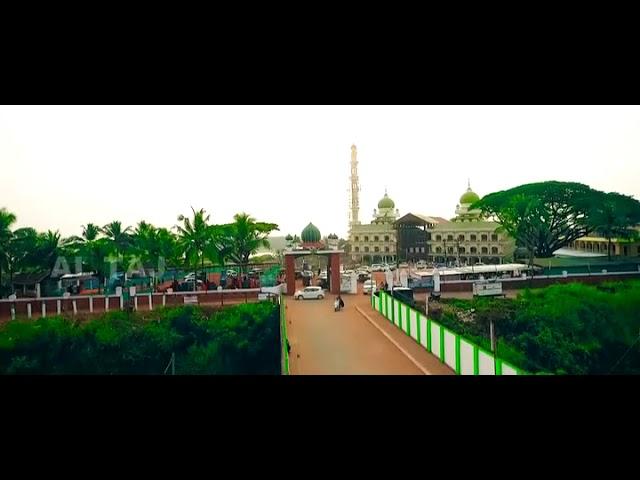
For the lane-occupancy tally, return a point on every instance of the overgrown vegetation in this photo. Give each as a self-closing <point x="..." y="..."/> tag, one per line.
<point x="237" y="340"/>
<point x="562" y="329"/>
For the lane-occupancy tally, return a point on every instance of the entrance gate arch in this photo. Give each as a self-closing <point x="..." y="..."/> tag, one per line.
<point x="333" y="268"/>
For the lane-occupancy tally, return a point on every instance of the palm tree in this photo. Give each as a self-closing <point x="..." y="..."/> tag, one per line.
<point x="144" y="242"/>
<point x="7" y="219"/>
<point x="248" y="236"/>
<point x="119" y="237"/>
<point x="195" y="237"/>
<point x="49" y="248"/>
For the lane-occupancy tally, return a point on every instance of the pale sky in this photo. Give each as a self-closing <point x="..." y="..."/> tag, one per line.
<point x="62" y="167"/>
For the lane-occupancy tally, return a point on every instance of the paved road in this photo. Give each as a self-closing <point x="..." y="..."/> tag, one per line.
<point x="324" y="342"/>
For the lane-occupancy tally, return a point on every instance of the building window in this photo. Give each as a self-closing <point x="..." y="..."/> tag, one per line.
<point x="438" y="250"/>
<point x="357" y="249"/>
<point x="474" y="250"/>
<point x="366" y="249"/>
<point x="494" y="237"/>
<point x="410" y="249"/>
<point x="484" y="238"/>
<point x="450" y="249"/>
<point x="450" y="238"/>
<point x="386" y="249"/>
<point x="366" y="238"/>
<point x="473" y="237"/>
<point x="462" y="250"/>
<point x="375" y="239"/>
<point x="356" y="238"/>
<point x="485" y="250"/>
<point x="494" y="250"/>
<point x="386" y="238"/>
<point x="376" y="249"/>
<point x="461" y="238"/>
<point x="438" y="238"/>
<point x="422" y="249"/>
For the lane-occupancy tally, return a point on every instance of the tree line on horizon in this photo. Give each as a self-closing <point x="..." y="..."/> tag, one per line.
<point x="190" y="243"/>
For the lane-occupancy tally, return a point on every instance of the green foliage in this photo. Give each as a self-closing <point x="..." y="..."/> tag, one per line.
<point x="238" y="340"/>
<point x="562" y="329"/>
<point x="546" y="216"/>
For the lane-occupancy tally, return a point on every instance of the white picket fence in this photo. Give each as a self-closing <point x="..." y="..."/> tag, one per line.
<point x="463" y="356"/>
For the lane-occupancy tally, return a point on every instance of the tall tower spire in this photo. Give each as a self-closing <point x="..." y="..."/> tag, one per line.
<point x="354" y="192"/>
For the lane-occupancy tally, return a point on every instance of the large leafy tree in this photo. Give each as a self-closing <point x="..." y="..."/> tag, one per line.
<point x="614" y="216"/>
<point x="248" y="236"/>
<point x="543" y="217"/>
<point x="22" y="251"/>
<point x="7" y="219"/>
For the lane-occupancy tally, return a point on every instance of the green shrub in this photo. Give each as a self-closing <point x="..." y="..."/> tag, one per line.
<point x="238" y="340"/>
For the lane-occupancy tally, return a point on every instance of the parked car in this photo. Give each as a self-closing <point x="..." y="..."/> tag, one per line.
<point x="377" y="267"/>
<point x="308" y="293"/>
<point x="368" y="287"/>
<point x="404" y="265"/>
<point x="192" y="276"/>
<point x="421" y="265"/>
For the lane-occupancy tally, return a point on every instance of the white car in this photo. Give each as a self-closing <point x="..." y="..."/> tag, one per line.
<point x="368" y="286"/>
<point x="309" y="293"/>
<point x="404" y="265"/>
<point x="377" y="267"/>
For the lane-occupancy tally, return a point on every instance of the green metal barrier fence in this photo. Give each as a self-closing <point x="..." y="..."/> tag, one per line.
<point x="284" y="340"/>
<point x="462" y="355"/>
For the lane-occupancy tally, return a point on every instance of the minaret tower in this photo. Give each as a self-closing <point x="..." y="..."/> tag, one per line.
<point x="354" y="192"/>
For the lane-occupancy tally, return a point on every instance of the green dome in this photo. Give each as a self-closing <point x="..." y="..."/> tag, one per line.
<point x="469" y="197"/>
<point x="386" y="202"/>
<point x="310" y="234"/>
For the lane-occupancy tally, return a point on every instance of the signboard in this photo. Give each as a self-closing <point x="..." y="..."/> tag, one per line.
<point x="487" y="289"/>
<point x="425" y="282"/>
